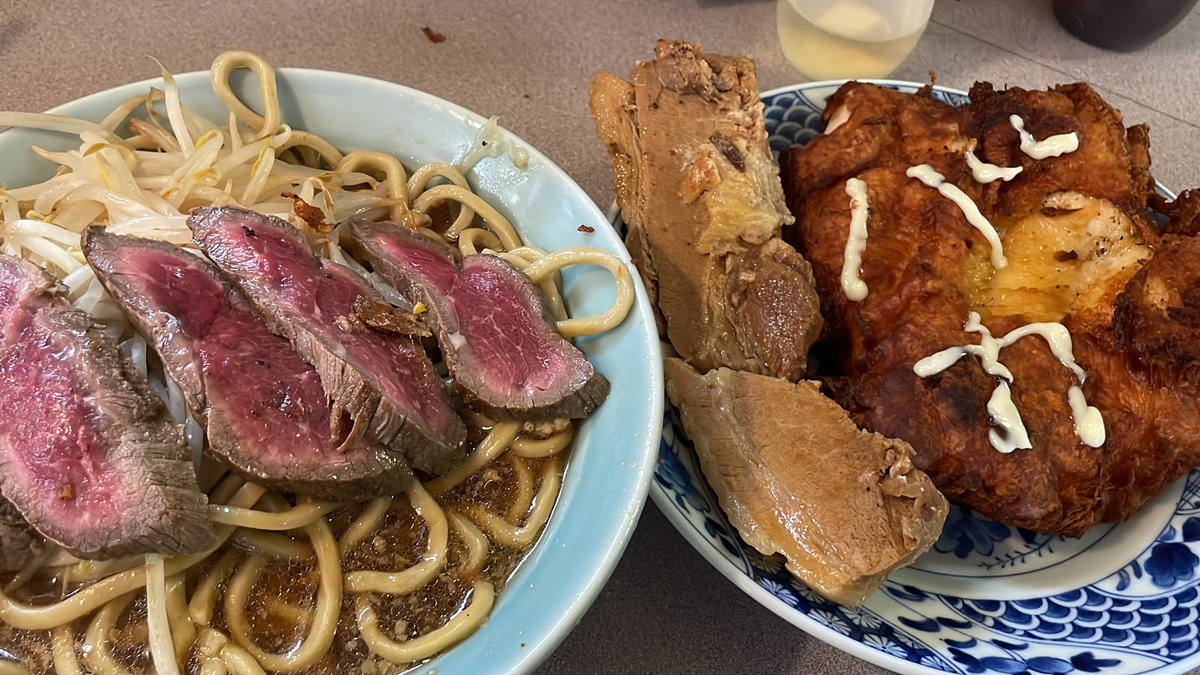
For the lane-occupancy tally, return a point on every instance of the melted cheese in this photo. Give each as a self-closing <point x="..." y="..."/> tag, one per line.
<point x="984" y="172"/>
<point x="930" y="177"/>
<point x="1052" y="146"/>
<point x="856" y="240"/>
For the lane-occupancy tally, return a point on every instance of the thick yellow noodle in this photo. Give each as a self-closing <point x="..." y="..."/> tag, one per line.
<point x="556" y="261"/>
<point x="524" y="477"/>
<point x="183" y="631"/>
<point x="223" y="67"/>
<point x="62" y="651"/>
<point x="406" y="581"/>
<point x="463" y="624"/>
<point x="293" y="519"/>
<point x="366" y="523"/>
<point x="496" y="222"/>
<point x="324" y="621"/>
<point x="533" y="448"/>
<point x="474" y="540"/>
<point x="99" y="655"/>
<point x="272" y="545"/>
<point x="497" y="441"/>
<point x="520" y="536"/>
<point x="203" y="602"/>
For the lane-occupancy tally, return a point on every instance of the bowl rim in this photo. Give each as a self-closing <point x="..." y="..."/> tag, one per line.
<point x="587" y="581"/>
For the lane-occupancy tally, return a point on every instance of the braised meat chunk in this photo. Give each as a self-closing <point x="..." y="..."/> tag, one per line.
<point x="700" y="194"/>
<point x="845" y="507"/>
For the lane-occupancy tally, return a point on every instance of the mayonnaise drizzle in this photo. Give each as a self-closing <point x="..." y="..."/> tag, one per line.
<point x="1006" y="416"/>
<point x="927" y="175"/>
<point x="987" y="351"/>
<point x="938" y="361"/>
<point x="989" y="347"/>
<point x="1056" y="336"/>
<point x="1089" y="423"/>
<point x="1052" y="146"/>
<point x="984" y="172"/>
<point x="856" y="240"/>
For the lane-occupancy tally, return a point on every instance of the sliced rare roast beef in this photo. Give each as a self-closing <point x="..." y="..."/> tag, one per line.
<point x="262" y="406"/>
<point x="492" y="324"/>
<point x="384" y="382"/>
<point x="88" y="454"/>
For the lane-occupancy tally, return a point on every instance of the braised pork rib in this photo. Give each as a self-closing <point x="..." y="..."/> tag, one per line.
<point x="700" y="193"/>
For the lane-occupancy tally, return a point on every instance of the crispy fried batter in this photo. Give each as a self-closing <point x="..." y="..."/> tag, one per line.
<point x="1158" y="314"/>
<point x="1075" y="231"/>
<point x="1184" y="212"/>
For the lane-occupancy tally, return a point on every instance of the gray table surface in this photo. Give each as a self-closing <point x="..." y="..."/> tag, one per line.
<point x="664" y="610"/>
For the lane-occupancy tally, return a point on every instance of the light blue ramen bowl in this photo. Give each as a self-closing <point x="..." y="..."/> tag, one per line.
<point x="613" y="457"/>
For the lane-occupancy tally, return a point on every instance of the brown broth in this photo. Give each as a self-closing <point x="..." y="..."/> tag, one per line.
<point x="284" y="596"/>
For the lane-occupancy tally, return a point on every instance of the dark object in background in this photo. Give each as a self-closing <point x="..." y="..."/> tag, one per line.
<point x="1121" y="25"/>
<point x="432" y="35"/>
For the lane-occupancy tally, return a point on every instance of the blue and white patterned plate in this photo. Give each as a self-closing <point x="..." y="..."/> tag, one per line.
<point x="988" y="598"/>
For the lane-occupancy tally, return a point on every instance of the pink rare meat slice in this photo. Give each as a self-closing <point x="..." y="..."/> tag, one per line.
<point x="384" y="382"/>
<point x="262" y="406"/>
<point x="492" y="324"/>
<point x="88" y="454"/>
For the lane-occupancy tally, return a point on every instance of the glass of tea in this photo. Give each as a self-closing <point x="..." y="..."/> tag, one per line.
<point x="834" y="39"/>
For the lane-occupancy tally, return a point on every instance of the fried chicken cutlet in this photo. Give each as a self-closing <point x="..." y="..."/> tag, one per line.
<point x="1080" y="249"/>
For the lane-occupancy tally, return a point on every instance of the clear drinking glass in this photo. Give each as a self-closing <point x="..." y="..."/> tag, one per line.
<point x="833" y="39"/>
